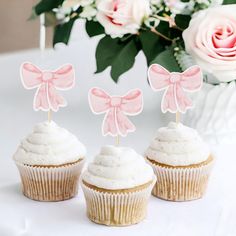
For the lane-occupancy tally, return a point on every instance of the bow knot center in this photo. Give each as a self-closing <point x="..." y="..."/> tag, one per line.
<point x="115" y="101"/>
<point x="175" y="77"/>
<point x="47" y="76"/>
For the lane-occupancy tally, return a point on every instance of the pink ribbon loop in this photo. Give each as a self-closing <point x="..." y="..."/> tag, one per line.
<point x="175" y="85"/>
<point x="47" y="83"/>
<point x="116" y="108"/>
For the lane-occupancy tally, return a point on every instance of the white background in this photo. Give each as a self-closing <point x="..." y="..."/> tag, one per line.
<point x="214" y="215"/>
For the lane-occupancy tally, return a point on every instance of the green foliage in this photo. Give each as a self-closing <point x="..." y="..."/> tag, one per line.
<point x="229" y="2"/>
<point x="62" y="32"/>
<point x="118" y="54"/>
<point x="46" y="5"/>
<point x="167" y="60"/>
<point x="124" y="60"/>
<point x="93" y="28"/>
<point x="171" y="33"/>
<point x="164" y="28"/>
<point x="151" y="45"/>
<point x="106" y="50"/>
<point x="182" y="21"/>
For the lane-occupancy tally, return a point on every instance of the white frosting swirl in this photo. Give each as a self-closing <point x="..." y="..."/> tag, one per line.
<point x="118" y="168"/>
<point x="177" y="145"/>
<point x="49" y="144"/>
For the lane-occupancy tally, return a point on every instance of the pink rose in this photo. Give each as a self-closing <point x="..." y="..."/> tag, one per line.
<point x="211" y="40"/>
<point x="120" y="17"/>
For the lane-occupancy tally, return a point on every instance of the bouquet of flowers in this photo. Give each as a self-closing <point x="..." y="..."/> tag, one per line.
<point x="173" y="33"/>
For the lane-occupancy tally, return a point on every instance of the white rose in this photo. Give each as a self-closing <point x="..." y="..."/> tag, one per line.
<point x="211" y="41"/>
<point x="120" y="17"/>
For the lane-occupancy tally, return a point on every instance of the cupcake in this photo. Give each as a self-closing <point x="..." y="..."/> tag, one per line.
<point x="50" y="161"/>
<point x="181" y="161"/>
<point x="117" y="186"/>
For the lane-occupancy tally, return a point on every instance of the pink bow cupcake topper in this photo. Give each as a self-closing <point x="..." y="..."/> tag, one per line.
<point x="176" y="86"/>
<point x="116" y="109"/>
<point x="47" y="83"/>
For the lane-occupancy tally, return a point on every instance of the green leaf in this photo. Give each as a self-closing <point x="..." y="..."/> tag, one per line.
<point x="126" y="38"/>
<point x="229" y="2"/>
<point x="118" y="54"/>
<point x="124" y="60"/>
<point x="182" y="21"/>
<point x="151" y="45"/>
<point x="62" y="32"/>
<point x="93" y="28"/>
<point x="107" y="49"/>
<point x="164" y="28"/>
<point x="46" y="5"/>
<point x="167" y="60"/>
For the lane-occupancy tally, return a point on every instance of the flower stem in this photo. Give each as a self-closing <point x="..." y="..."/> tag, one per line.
<point x="167" y="18"/>
<point x="161" y="35"/>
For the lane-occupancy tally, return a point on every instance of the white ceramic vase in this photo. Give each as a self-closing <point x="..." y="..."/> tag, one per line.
<point x="214" y="113"/>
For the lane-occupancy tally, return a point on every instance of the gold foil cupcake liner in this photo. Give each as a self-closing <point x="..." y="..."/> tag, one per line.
<point x="52" y="183"/>
<point x="117" y="208"/>
<point x="181" y="183"/>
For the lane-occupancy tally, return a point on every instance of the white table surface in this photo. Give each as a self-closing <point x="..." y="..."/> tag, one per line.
<point x="214" y="215"/>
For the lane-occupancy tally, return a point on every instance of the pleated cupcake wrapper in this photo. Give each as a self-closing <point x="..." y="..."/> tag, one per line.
<point x="181" y="184"/>
<point x="118" y="208"/>
<point x="50" y="183"/>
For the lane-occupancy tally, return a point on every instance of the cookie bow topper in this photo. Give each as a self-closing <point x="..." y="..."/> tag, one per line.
<point x="175" y="85"/>
<point x="116" y="109"/>
<point x="47" y="83"/>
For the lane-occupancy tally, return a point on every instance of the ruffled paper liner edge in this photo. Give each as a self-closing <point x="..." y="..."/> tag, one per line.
<point x="181" y="183"/>
<point x="50" y="183"/>
<point x="117" y="208"/>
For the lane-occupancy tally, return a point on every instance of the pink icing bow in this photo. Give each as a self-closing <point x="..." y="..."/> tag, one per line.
<point x="175" y="84"/>
<point x="116" y="108"/>
<point x="47" y="83"/>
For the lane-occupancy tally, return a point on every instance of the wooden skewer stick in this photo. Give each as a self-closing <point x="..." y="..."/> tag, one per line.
<point x="117" y="140"/>
<point x="177" y="117"/>
<point x="42" y="47"/>
<point x="49" y="116"/>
